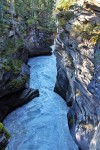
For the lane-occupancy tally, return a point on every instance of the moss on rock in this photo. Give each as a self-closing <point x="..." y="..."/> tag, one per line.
<point x="3" y="129"/>
<point x="70" y="121"/>
<point x="17" y="83"/>
<point x="5" y="137"/>
<point x="64" y="17"/>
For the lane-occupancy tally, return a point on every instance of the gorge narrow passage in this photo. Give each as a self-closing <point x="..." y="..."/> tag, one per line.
<point x="42" y="123"/>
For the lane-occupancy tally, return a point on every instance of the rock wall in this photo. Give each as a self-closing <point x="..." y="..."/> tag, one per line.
<point x="77" y="49"/>
<point x="39" y="42"/>
<point x="15" y="73"/>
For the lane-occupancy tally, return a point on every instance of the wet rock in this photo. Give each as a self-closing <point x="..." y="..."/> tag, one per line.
<point x="11" y="101"/>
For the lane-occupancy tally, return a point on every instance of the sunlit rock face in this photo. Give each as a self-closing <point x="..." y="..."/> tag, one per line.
<point x="78" y="46"/>
<point x="39" y="42"/>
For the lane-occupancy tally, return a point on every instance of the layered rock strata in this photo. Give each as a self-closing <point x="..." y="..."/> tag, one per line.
<point x="77" y="49"/>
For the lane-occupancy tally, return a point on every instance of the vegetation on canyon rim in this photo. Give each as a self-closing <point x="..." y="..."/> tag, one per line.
<point x="18" y="18"/>
<point x="21" y="17"/>
<point x="89" y="32"/>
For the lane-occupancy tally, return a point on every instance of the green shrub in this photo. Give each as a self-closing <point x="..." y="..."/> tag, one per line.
<point x="12" y="47"/>
<point x="88" y="32"/>
<point x="18" y="83"/>
<point x="94" y="39"/>
<point x="11" y="65"/>
<point x="84" y="30"/>
<point x="14" y="65"/>
<point x="64" y="17"/>
<point x="63" y="5"/>
<point x="6" y="67"/>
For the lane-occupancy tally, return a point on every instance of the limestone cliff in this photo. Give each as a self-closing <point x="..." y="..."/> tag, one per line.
<point x="77" y="49"/>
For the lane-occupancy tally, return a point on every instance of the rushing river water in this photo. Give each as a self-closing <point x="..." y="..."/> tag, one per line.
<point x="42" y="123"/>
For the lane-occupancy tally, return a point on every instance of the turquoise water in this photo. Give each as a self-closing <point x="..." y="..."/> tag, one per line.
<point x="42" y="123"/>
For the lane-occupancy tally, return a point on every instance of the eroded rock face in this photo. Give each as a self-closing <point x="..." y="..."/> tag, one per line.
<point x="62" y="82"/>
<point x="14" y="89"/>
<point x="14" y="71"/>
<point x="11" y="101"/>
<point x="80" y="83"/>
<point x="12" y="79"/>
<point x="39" y="42"/>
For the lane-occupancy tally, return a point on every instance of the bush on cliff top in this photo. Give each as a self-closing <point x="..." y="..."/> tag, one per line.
<point x="11" y="65"/>
<point x="64" y="17"/>
<point x="63" y="5"/>
<point x="88" y="32"/>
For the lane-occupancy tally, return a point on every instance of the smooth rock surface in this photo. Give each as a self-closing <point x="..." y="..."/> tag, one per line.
<point x="42" y="123"/>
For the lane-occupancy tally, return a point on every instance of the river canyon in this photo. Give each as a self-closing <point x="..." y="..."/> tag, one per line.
<point x="42" y="123"/>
